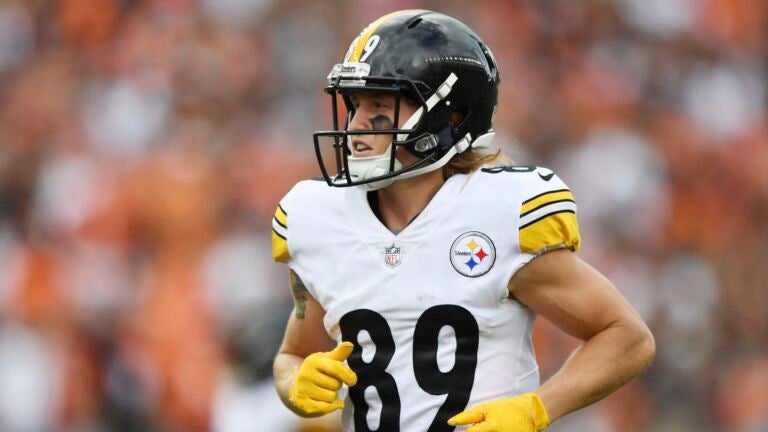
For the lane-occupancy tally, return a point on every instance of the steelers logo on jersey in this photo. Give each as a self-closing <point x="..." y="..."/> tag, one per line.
<point x="473" y="254"/>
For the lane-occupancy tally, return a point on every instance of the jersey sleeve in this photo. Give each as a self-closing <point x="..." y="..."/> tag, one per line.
<point x="547" y="215"/>
<point x="280" y="251"/>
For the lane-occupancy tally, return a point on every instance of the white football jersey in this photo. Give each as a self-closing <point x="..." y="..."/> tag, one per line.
<point x="428" y="309"/>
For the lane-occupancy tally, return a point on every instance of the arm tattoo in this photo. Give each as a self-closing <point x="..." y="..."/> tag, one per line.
<point x="299" y="291"/>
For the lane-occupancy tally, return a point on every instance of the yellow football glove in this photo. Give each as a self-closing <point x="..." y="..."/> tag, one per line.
<point x="524" y="413"/>
<point x="314" y="385"/>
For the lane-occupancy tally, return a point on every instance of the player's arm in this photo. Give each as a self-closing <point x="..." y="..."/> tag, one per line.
<point x="306" y="376"/>
<point x="618" y="346"/>
<point x="578" y="299"/>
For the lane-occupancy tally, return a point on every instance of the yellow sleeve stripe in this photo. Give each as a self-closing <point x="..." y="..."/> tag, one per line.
<point x="362" y="40"/>
<point x="555" y="230"/>
<point x="280" y="235"/>
<point x="281" y="216"/>
<point x="549" y="197"/>
<point x="280" y="248"/>
<point x="280" y="223"/>
<point x="537" y="220"/>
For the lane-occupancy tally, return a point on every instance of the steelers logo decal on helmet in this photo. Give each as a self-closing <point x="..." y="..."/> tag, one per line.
<point x="473" y="254"/>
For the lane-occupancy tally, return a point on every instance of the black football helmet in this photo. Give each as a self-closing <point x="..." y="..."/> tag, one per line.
<point x="435" y="61"/>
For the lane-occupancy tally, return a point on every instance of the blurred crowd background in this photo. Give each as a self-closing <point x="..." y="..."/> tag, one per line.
<point x="144" y="145"/>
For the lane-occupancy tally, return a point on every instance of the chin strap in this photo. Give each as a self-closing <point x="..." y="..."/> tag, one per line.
<point x="380" y="164"/>
<point x="461" y="146"/>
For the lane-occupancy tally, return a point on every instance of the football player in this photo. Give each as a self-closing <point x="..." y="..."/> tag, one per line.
<point x="418" y="266"/>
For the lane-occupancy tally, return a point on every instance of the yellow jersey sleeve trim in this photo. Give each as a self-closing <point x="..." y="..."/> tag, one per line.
<point x="280" y="248"/>
<point x="280" y="236"/>
<point x="544" y="199"/>
<point x="281" y="216"/>
<point x="555" y="230"/>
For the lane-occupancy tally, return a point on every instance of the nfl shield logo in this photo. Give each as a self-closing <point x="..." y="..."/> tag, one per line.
<point x="392" y="256"/>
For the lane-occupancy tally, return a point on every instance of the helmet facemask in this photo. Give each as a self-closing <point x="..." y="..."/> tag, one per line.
<point x="378" y="171"/>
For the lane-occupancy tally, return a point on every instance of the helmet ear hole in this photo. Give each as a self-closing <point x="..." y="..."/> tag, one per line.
<point x="457" y="118"/>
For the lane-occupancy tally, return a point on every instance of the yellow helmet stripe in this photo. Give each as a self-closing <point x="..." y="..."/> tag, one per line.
<point x="362" y="40"/>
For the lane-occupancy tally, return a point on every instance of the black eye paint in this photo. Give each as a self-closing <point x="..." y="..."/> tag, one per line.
<point x="381" y="122"/>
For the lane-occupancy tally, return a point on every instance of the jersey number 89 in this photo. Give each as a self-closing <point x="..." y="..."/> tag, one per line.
<point x="456" y="383"/>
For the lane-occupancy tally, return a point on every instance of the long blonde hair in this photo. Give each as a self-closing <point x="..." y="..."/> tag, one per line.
<point x="473" y="159"/>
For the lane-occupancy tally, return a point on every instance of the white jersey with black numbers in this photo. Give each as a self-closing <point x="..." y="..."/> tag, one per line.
<point x="428" y="310"/>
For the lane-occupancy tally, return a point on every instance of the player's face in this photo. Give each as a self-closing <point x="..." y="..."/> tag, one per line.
<point x="376" y="111"/>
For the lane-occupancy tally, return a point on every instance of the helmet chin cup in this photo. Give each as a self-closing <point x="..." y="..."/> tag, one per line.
<point x="364" y="168"/>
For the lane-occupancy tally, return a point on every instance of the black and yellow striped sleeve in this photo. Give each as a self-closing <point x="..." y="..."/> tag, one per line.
<point x="280" y="236"/>
<point x="548" y="221"/>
